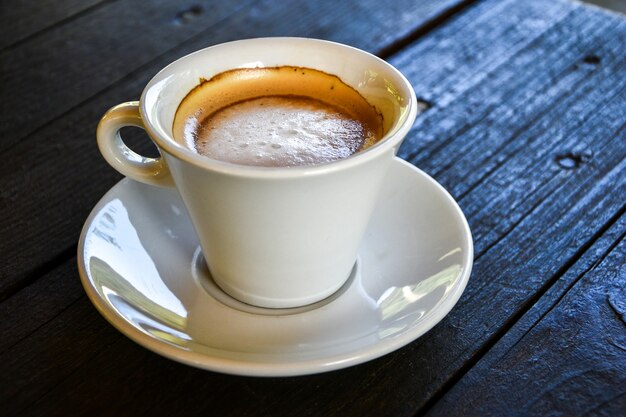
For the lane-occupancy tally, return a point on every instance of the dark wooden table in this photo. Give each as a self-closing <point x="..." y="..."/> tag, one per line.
<point x="523" y="121"/>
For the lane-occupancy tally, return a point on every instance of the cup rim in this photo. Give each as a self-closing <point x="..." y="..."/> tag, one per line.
<point x="389" y="140"/>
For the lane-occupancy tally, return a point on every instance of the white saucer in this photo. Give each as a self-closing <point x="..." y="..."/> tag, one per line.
<point x="139" y="262"/>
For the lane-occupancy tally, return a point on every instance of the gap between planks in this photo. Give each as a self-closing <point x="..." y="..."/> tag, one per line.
<point x="571" y="285"/>
<point x="525" y="307"/>
<point x="58" y="23"/>
<point x="387" y="51"/>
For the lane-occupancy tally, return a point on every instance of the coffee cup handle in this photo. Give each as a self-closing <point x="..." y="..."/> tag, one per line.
<point x="151" y="171"/>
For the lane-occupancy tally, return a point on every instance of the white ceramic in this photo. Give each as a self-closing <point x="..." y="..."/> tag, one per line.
<point x="141" y="266"/>
<point x="273" y="237"/>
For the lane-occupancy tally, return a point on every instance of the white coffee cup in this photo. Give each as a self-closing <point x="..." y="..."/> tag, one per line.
<point x="272" y="237"/>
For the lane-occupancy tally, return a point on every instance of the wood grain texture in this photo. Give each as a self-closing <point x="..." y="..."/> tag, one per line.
<point x="60" y="68"/>
<point x="567" y="355"/>
<point x="25" y="18"/>
<point x="524" y="128"/>
<point x="52" y="186"/>
<point x="36" y="305"/>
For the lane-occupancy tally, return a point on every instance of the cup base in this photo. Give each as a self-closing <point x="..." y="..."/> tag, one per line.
<point x="221" y="292"/>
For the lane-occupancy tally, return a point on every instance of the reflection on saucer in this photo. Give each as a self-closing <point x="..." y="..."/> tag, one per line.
<point x="129" y="285"/>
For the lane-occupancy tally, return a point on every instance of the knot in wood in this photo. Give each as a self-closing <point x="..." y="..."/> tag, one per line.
<point x="592" y="59"/>
<point x="185" y="16"/>
<point x="572" y="160"/>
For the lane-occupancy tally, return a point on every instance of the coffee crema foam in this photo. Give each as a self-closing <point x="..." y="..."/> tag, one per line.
<point x="283" y="116"/>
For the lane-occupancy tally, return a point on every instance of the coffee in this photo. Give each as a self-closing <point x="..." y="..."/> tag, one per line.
<point x="282" y="116"/>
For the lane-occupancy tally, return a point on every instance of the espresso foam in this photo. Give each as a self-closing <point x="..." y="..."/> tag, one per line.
<point x="281" y="131"/>
<point x="284" y="116"/>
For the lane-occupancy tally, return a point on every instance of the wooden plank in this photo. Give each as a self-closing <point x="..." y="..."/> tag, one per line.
<point x="39" y="179"/>
<point x="567" y="355"/>
<point x="67" y="333"/>
<point x="37" y="305"/>
<point x="23" y="19"/>
<point x="510" y="194"/>
<point x="516" y="265"/>
<point x="58" y="70"/>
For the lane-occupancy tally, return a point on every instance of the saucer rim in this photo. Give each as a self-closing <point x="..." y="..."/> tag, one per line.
<point x="285" y="368"/>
